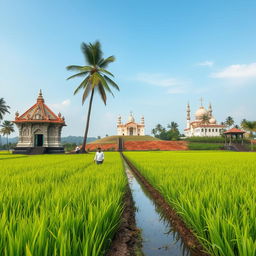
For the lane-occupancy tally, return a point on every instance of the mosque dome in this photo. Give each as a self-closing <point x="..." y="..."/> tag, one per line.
<point x="212" y="120"/>
<point x="200" y="113"/>
<point x="131" y="118"/>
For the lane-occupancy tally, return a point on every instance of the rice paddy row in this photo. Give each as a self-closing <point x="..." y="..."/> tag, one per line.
<point x="59" y="205"/>
<point x="214" y="193"/>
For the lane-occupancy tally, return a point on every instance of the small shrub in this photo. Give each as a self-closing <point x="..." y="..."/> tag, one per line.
<point x="205" y="146"/>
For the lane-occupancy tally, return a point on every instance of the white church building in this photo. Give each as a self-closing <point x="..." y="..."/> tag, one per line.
<point x="204" y="125"/>
<point x="130" y="128"/>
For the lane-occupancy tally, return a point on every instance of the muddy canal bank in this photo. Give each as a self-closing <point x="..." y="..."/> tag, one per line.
<point x="189" y="244"/>
<point x="126" y="240"/>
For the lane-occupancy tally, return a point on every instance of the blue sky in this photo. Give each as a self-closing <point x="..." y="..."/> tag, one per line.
<point x="167" y="53"/>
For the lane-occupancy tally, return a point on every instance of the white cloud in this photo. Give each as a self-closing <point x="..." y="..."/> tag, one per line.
<point x="65" y="102"/>
<point x="239" y="71"/>
<point x="61" y="106"/>
<point x="206" y="63"/>
<point x="176" y="90"/>
<point x="173" y="85"/>
<point x="156" y="79"/>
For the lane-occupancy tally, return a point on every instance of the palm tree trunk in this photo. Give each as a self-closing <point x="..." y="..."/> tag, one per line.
<point x="87" y="123"/>
<point x="7" y="143"/>
<point x="251" y="141"/>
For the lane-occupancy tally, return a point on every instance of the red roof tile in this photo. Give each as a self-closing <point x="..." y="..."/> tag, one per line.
<point x="234" y="130"/>
<point x="39" y="113"/>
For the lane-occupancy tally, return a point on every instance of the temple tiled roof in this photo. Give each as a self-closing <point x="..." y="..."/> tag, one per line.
<point x="39" y="113"/>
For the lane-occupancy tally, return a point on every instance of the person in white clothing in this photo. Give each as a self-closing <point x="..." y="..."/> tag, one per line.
<point x="77" y="149"/>
<point x="99" y="157"/>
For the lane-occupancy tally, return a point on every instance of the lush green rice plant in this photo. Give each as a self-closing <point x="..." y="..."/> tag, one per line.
<point x="214" y="193"/>
<point x="59" y="204"/>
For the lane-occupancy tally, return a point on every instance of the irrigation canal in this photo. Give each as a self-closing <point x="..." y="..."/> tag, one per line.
<point x="158" y="237"/>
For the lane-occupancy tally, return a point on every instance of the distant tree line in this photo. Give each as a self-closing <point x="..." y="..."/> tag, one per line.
<point x="171" y="132"/>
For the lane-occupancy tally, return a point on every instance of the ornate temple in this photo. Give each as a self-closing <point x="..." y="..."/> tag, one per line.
<point x="39" y="130"/>
<point x="130" y="128"/>
<point x="204" y="125"/>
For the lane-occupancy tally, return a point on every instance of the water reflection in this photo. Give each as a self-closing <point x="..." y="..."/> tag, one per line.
<point x="158" y="237"/>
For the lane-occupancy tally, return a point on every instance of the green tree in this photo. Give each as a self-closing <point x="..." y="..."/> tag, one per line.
<point x="159" y="128"/>
<point x="171" y="133"/>
<point x="7" y="129"/>
<point x="249" y="126"/>
<point x="205" y="119"/>
<point x="229" y="121"/>
<point x="173" y="126"/>
<point x="96" y="78"/>
<point x="153" y="131"/>
<point x="4" y="109"/>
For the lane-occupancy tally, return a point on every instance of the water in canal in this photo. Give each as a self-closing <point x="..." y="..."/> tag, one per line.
<point x="158" y="238"/>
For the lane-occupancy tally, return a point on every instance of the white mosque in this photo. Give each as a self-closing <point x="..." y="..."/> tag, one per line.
<point x="130" y="128"/>
<point x="204" y="125"/>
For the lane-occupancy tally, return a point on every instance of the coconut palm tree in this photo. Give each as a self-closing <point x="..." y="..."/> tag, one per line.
<point x="154" y="132"/>
<point x="249" y="126"/>
<point x="7" y="129"/>
<point x="173" y="126"/>
<point x="159" y="128"/>
<point x="205" y="119"/>
<point x="229" y="121"/>
<point x="96" y="78"/>
<point x="3" y="110"/>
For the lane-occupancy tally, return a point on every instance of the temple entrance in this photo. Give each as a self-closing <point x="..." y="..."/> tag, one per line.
<point x="39" y="140"/>
<point x="131" y="131"/>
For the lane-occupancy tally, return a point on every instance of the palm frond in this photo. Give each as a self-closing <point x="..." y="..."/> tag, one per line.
<point x="3" y="108"/>
<point x="105" y="71"/>
<point x="102" y="93"/>
<point x="87" y="90"/>
<point x="82" y="85"/>
<point x="104" y="62"/>
<point x="75" y="68"/>
<point x="97" y="52"/>
<point x="87" y="51"/>
<point x="78" y="75"/>
<point x="104" y="83"/>
<point x="112" y="82"/>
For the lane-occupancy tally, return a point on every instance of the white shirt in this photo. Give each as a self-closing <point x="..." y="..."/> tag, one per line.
<point x="99" y="156"/>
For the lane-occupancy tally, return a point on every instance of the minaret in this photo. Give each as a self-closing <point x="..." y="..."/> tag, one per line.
<point x="119" y="120"/>
<point x="188" y="115"/>
<point x="119" y="127"/>
<point x="142" y="121"/>
<point x="210" y="110"/>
